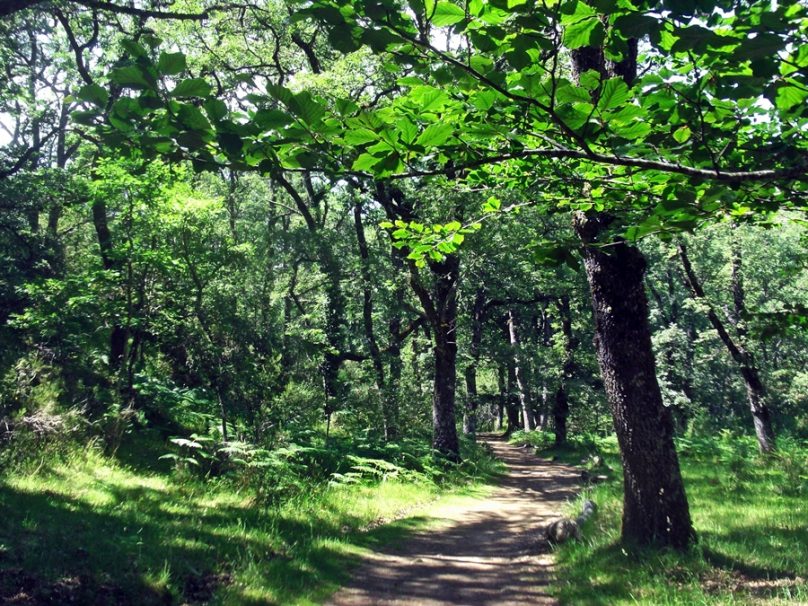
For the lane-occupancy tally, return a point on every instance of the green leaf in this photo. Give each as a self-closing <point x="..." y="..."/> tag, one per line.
<point x="435" y="135"/>
<point x="94" y="94"/>
<point x="447" y="13"/>
<point x="192" y="87"/>
<point x="582" y="28"/>
<point x="171" y="64"/>
<point x="271" y="119"/>
<point x="682" y="134"/>
<point x="365" y="163"/>
<point x="130" y="76"/>
<point x="615" y="92"/>
<point x="572" y="94"/>
<point x="429" y="98"/>
<point x="633" y="130"/>
<point x="790" y="96"/>
<point x="359" y="136"/>
<point x="307" y="108"/>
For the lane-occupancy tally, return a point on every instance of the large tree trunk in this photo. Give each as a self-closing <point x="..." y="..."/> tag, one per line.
<point x="444" y="437"/>
<point x="521" y="382"/>
<point x="655" y="508"/>
<point x="755" y="390"/>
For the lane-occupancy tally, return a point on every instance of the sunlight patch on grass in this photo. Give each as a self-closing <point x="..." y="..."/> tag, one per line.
<point x="749" y="515"/>
<point x="152" y="535"/>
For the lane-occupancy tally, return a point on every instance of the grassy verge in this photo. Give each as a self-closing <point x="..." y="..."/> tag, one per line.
<point x="750" y="514"/>
<point x="90" y="529"/>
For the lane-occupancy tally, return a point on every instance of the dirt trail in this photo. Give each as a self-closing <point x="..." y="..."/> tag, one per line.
<point x="482" y="553"/>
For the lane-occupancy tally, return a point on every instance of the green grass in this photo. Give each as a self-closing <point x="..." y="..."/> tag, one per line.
<point x="750" y="514"/>
<point x="95" y="529"/>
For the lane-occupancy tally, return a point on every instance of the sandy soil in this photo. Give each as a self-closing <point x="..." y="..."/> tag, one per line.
<point x="482" y="552"/>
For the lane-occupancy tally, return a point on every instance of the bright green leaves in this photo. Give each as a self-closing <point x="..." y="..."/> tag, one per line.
<point x="682" y="134"/>
<point x="428" y="98"/>
<point x="447" y="13"/>
<point x="492" y="205"/>
<point x="428" y="242"/>
<point x="435" y="135"/>
<point x="582" y="27"/>
<point x="271" y="119"/>
<point x="302" y="104"/>
<point x="613" y="95"/>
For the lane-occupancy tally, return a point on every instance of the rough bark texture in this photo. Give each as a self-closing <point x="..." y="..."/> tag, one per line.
<point x="655" y="508"/>
<point x="755" y="389"/>
<point x="444" y="438"/>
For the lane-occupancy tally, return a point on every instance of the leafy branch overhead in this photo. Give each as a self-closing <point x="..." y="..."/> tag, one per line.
<point x="715" y="122"/>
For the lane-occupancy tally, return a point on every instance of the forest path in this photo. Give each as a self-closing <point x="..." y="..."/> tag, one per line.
<point x="484" y="552"/>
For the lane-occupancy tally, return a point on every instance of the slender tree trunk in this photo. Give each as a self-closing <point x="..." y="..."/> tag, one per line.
<point x="472" y="401"/>
<point x="655" y="508"/>
<point x="502" y="400"/>
<point x="755" y="389"/>
<point x="388" y="416"/>
<point x="521" y="383"/>
<point x="119" y="335"/>
<point x="394" y="350"/>
<point x="512" y="405"/>
<point x="561" y="406"/>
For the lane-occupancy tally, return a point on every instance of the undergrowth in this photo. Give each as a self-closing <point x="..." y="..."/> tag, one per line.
<point x="241" y="527"/>
<point x="748" y="511"/>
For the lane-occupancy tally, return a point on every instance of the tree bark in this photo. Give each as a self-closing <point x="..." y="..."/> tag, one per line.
<point x="655" y="508"/>
<point x="444" y="438"/>
<point x="367" y="320"/>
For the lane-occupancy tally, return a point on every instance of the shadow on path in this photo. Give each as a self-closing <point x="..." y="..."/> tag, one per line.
<point x="483" y="553"/>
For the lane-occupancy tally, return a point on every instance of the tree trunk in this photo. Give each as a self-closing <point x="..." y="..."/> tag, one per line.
<point x="444" y="438"/>
<point x="755" y="390"/>
<point x="561" y="405"/>
<point x="388" y="417"/>
<point x="521" y="383"/>
<point x="119" y="335"/>
<point x="655" y="508"/>
<point x="502" y="401"/>
<point x="512" y="406"/>
<point x="472" y="401"/>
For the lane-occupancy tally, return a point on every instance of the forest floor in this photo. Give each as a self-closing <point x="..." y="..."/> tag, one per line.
<point x="477" y="553"/>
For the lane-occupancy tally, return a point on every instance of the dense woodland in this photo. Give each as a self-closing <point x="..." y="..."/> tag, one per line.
<point x="264" y="248"/>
